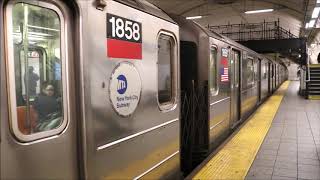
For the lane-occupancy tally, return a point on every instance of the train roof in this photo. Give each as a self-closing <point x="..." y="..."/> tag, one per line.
<point x="147" y="7"/>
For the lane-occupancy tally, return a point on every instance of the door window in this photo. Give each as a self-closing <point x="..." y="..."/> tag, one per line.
<point x="35" y="68"/>
<point x="213" y="71"/>
<point x="255" y="69"/>
<point x="265" y="71"/>
<point x="167" y="78"/>
<point x="236" y="64"/>
<point x="250" y="72"/>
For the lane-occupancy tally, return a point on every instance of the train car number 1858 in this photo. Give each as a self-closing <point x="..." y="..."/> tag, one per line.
<point x="124" y="29"/>
<point x="124" y="37"/>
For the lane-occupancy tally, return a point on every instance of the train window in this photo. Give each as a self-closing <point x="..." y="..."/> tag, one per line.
<point x="35" y="67"/>
<point x="265" y="71"/>
<point x="255" y="69"/>
<point x="250" y="72"/>
<point x="213" y="71"/>
<point x="166" y="74"/>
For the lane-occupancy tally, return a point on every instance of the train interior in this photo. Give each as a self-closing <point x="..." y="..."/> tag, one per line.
<point x="36" y="42"/>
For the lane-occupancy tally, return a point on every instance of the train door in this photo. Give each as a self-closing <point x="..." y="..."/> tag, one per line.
<point x="235" y="87"/>
<point x="279" y="74"/>
<point x="39" y="125"/>
<point x="272" y="78"/>
<point x="275" y="76"/>
<point x="259" y="80"/>
<point x="269" y="77"/>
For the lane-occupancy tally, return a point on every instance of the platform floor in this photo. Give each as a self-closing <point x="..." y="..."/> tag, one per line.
<point x="281" y="140"/>
<point x="291" y="149"/>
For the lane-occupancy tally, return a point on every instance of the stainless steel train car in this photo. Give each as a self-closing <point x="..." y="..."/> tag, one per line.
<point x="222" y="83"/>
<point x="91" y="90"/>
<point x="88" y="90"/>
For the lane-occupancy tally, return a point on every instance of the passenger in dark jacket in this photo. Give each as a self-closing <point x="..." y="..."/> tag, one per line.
<point x="32" y="81"/>
<point x="46" y="103"/>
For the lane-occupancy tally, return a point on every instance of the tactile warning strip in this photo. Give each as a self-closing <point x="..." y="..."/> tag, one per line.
<point x="314" y="97"/>
<point x="314" y="65"/>
<point x="233" y="161"/>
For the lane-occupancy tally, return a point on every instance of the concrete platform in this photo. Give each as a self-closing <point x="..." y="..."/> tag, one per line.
<point x="291" y="149"/>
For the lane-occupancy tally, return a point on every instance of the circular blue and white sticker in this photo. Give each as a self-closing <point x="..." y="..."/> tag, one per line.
<point x="122" y="84"/>
<point x="125" y="89"/>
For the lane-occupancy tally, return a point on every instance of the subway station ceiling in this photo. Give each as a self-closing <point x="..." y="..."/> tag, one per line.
<point x="292" y="14"/>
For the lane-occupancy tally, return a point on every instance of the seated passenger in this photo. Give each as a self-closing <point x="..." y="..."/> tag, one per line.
<point x="48" y="109"/>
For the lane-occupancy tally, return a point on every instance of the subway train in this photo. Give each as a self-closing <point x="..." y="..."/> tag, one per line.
<point x="222" y="83"/>
<point x="104" y="89"/>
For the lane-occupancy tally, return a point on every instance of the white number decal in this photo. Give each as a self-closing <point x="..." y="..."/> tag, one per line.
<point x="136" y="31"/>
<point x="128" y="29"/>
<point x="124" y="29"/>
<point x="112" y="21"/>
<point x="119" y="28"/>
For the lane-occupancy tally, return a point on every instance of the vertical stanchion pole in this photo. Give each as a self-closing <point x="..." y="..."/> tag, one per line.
<point x="26" y="66"/>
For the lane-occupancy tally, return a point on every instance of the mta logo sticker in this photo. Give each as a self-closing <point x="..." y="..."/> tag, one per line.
<point x="122" y="84"/>
<point x="125" y="89"/>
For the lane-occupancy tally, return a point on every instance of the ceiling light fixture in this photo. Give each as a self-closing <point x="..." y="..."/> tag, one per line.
<point x="307" y="25"/>
<point x="259" y="11"/>
<point x="311" y="23"/>
<point x="194" y="17"/>
<point x="315" y="12"/>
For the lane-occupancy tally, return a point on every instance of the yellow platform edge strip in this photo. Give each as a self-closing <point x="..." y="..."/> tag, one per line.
<point x="234" y="160"/>
<point x="314" y="65"/>
<point x="314" y="97"/>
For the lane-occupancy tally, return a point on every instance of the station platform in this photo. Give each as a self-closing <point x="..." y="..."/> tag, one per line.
<point x="281" y="140"/>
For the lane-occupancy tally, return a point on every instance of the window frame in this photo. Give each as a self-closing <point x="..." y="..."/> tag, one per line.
<point x="216" y="89"/>
<point x="10" y="71"/>
<point x="172" y="104"/>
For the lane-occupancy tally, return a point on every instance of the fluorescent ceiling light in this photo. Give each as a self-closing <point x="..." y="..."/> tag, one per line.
<point x="307" y="25"/>
<point x="315" y="12"/>
<point x="32" y="42"/>
<point x="30" y="37"/>
<point x="39" y="34"/>
<point x="194" y="17"/>
<point x="311" y="23"/>
<point x="49" y="29"/>
<point x="259" y="11"/>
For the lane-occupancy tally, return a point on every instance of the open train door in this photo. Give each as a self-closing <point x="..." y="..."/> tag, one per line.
<point x="38" y="114"/>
